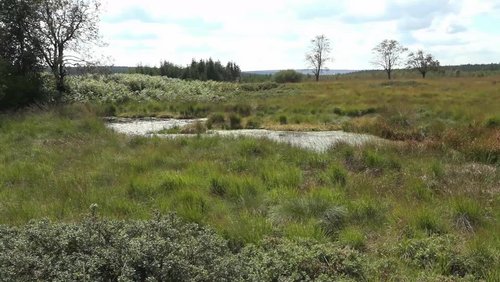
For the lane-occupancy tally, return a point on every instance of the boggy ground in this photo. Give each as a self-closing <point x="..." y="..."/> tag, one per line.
<point x="425" y="206"/>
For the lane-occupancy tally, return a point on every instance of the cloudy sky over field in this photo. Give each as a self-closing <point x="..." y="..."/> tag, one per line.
<point x="275" y="34"/>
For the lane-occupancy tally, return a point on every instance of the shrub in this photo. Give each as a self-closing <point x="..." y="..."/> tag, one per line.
<point x="163" y="249"/>
<point x="287" y="76"/>
<point x="258" y="86"/>
<point x="18" y="91"/>
<point x="427" y="252"/>
<point x="303" y="260"/>
<point x="216" y="120"/>
<point x="253" y="123"/>
<point x="493" y="122"/>
<point x="234" y="121"/>
<point x="283" y="120"/>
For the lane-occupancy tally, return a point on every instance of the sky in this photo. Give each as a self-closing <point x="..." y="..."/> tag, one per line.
<point x="276" y="34"/>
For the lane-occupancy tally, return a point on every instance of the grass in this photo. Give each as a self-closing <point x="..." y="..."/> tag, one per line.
<point x="439" y="181"/>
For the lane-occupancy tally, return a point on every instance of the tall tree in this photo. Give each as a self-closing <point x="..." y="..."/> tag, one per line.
<point x="422" y="62"/>
<point x="319" y="54"/>
<point x="388" y="55"/>
<point x="60" y="27"/>
<point x="20" y="83"/>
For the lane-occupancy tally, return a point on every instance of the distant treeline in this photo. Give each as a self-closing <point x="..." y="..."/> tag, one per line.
<point x="172" y="70"/>
<point x="469" y="70"/>
<point x="198" y="70"/>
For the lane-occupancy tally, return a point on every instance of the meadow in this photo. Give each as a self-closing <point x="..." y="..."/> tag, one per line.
<point x="424" y="207"/>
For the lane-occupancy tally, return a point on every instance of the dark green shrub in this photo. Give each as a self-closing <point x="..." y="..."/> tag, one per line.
<point x="216" y="120"/>
<point x="283" y="120"/>
<point x="258" y="86"/>
<point x="493" y="122"/>
<point x="18" y="91"/>
<point x="234" y="121"/>
<point x="285" y="76"/>
<point x="253" y="123"/>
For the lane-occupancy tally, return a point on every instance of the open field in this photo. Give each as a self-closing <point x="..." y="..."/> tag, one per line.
<point x="426" y="205"/>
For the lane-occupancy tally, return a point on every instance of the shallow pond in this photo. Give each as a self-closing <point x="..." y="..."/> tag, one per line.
<point x="315" y="140"/>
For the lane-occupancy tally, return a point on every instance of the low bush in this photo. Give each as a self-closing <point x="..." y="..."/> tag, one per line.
<point x="285" y="76"/>
<point x="258" y="86"/>
<point x="162" y="249"/>
<point x="216" y="120"/>
<point x="235" y="121"/>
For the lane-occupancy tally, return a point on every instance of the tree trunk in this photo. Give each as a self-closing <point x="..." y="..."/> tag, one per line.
<point x="317" y="77"/>
<point x="389" y="74"/>
<point x="423" y="74"/>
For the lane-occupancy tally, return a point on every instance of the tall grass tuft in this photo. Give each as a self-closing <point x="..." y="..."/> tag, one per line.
<point x="333" y="220"/>
<point x="467" y="214"/>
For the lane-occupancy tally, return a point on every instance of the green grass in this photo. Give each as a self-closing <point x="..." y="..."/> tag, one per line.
<point x="405" y="202"/>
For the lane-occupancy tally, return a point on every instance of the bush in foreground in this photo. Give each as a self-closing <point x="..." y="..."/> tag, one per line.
<point x="163" y="249"/>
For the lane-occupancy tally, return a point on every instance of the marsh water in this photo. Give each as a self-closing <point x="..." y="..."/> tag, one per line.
<point x="313" y="140"/>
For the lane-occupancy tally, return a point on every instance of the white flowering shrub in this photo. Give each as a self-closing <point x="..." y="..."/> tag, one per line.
<point x="137" y="87"/>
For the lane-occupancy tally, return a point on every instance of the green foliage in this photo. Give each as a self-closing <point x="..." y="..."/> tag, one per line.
<point x="216" y="120"/>
<point x="203" y="70"/>
<point x="367" y="211"/>
<point x="336" y="175"/>
<point x="284" y="260"/>
<point x="119" y="88"/>
<point x="234" y="121"/>
<point x="285" y="76"/>
<point x="18" y="90"/>
<point x="441" y="255"/>
<point x="493" y="122"/>
<point x="428" y="222"/>
<point x="262" y="86"/>
<point x="283" y="120"/>
<point x="253" y="123"/>
<point x="352" y="237"/>
<point x="99" y="250"/>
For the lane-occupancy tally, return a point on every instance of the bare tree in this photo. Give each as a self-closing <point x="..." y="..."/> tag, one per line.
<point x="319" y="54"/>
<point x="59" y="26"/>
<point x="388" y="55"/>
<point x="422" y="62"/>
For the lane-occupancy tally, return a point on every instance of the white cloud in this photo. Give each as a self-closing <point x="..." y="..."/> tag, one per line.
<point x="275" y="34"/>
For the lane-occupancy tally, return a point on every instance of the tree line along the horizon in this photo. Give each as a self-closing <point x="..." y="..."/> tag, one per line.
<point x="198" y="70"/>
